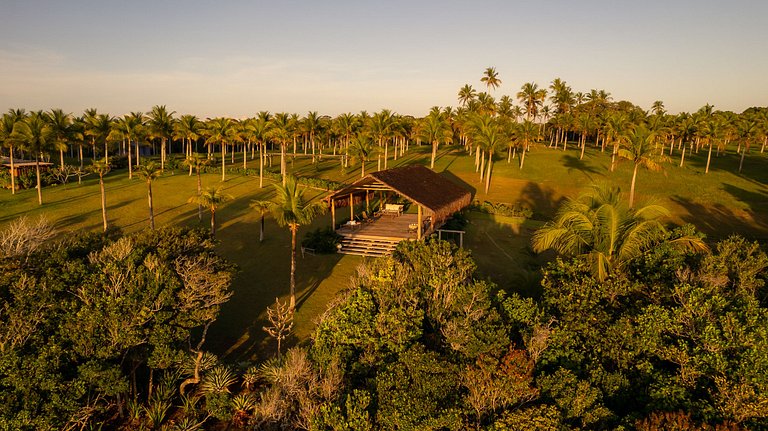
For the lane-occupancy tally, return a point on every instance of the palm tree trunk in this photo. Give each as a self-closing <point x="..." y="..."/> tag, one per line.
<point x="223" y="162"/>
<point x="434" y="154"/>
<point x="130" y="161"/>
<point x="283" y="166"/>
<point x="81" y="156"/>
<point x="199" y="192"/>
<point x="522" y="157"/>
<point x="61" y="158"/>
<point x="162" y="155"/>
<point x="386" y="152"/>
<point x="682" y="158"/>
<point x="261" y="165"/>
<point x="103" y="201"/>
<point x="40" y="188"/>
<point x="583" y="145"/>
<point x="294" y="230"/>
<point x="362" y="168"/>
<point x="709" y="157"/>
<point x="13" y="171"/>
<point x="151" y="212"/>
<point x="741" y="162"/>
<point x="213" y="222"/>
<point x="632" y="187"/>
<point x="488" y="173"/>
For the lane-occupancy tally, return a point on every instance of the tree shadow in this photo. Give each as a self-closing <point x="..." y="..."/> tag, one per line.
<point x="719" y="221"/>
<point x="459" y="182"/>
<point x="541" y="199"/>
<point x="573" y="163"/>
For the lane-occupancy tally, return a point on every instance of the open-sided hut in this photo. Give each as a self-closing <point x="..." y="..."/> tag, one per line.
<point x="435" y="197"/>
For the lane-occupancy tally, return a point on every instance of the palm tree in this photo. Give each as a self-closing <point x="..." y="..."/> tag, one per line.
<point x="101" y="167"/>
<point x="60" y="128"/>
<point x="34" y="135"/>
<point x="532" y="98"/>
<point x="263" y="208"/>
<point x="491" y="78"/>
<point x="220" y="130"/>
<point x="466" y="94"/>
<point x="527" y="132"/>
<point x="197" y="162"/>
<point x="658" y="108"/>
<point x="160" y="123"/>
<point x="597" y="226"/>
<point x="489" y="135"/>
<point x="362" y="148"/>
<point x="187" y="129"/>
<point x="211" y="198"/>
<point x="639" y="149"/>
<point x="130" y="124"/>
<point x="6" y="129"/>
<point x="435" y="129"/>
<point x="280" y="131"/>
<point x="149" y="172"/>
<point x="289" y="208"/>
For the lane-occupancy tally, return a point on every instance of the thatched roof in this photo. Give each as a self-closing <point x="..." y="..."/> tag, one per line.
<point x="437" y="194"/>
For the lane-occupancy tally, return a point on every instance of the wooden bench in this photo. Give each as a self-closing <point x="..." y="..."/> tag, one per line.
<point x="307" y="250"/>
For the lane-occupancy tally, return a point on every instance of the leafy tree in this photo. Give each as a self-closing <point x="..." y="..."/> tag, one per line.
<point x="291" y="209"/>
<point x="281" y="318"/>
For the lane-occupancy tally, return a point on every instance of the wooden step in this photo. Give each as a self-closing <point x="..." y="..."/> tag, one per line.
<point x="368" y="246"/>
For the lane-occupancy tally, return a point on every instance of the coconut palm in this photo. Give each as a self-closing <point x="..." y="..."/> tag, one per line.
<point x="362" y="148"/>
<point x="597" y="226"/>
<point x="435" y="129"/>
<point x="491" y="78"/>
<point x="187" y="129"/>
<point x="212" y="198"/>
<point x="60" y="123"/>
<point x="160" y="123"/>
<point x="258" y="129"/>
<point x="131" y="125"/>
<point x="101" y="167"/>
<point x="489" y="135"/>
<point x="527" y="132"/>
<point x="6" y="129"/>
<point x="197" y="162"/>
<point x="466" y="94"/>
<point x="263" y="208"/>
<point x="220" y="130"/>
<point x="291" y="209"/>
<point x="280" y="131"/>
<point x="639" y="150"/>
<point x="34" y="135"/>
<point x="532" y="98"/>
<point x="149" y="172"/>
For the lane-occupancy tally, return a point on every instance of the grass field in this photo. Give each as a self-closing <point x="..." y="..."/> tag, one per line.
<point x="719" y="203"/>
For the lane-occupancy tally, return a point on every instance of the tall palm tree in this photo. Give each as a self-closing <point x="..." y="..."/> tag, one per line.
<point x="658" y="108"/>
<point x="488" y="135"/>
<point x="149" y="172"/>
<point x="187" y="129"/>
<point x="211" y="198"/>
<point x="466" y="94"/>
<point x="160" y="123"/>
<point x="527" y="132"/>
<point x="362" y="149"/>
<point x="491" y="78"/>
<point x="220" y="130"/>
<point x="532" y="98"/>
<point x="34" y="135"/>
<point x="280" y="131"/>
<point x="60" y="123"/>
<point x="131" y="125"/>
<point x="435" y="129"/>
<point x="258" y="129"/>
<point x="291" y="209"/>
<point x="598" y="227"/>
<point x="101" y="167"/>
<point x="639" y="150"/>
<point x="263" y="208"/>
<point x="6" y="129"/>
<point x="197" y="162"/>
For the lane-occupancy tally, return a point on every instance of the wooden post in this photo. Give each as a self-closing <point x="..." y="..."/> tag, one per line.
<point x="333" y="214"/>
<point x="351" y="207"/>
<point x="367" y="202"/>
<point x="381" y="201"/>
<point x="418" y="229"/>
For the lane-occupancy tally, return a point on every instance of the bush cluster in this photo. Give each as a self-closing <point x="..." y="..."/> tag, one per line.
<point x="501" y="208"/>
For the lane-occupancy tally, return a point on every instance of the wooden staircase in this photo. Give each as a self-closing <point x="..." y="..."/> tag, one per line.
<point x="368" y="245"/>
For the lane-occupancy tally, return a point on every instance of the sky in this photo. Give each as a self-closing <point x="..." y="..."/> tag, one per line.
<point x="235" y="58"/>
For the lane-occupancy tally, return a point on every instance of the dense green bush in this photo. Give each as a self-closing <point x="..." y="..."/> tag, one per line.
<point x="505" y="209"/>
<point x="322" y="240"/>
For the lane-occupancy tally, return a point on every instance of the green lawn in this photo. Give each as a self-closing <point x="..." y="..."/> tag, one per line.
<point x="719" y="203"/>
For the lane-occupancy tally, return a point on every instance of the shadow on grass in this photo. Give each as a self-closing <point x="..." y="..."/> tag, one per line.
<point x="719" y="221"/>
<point x="572" y="163"/>
<point x="541" y="199"/>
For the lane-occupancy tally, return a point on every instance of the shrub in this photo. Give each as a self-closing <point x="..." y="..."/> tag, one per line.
<point x="505" y="209"/>
<point x="323" y="240"/>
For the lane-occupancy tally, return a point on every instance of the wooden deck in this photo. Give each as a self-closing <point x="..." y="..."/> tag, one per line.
<point x="384" y="227"/>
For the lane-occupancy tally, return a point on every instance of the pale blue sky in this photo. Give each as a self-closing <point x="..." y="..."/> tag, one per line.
<point x="240" y="57"/>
